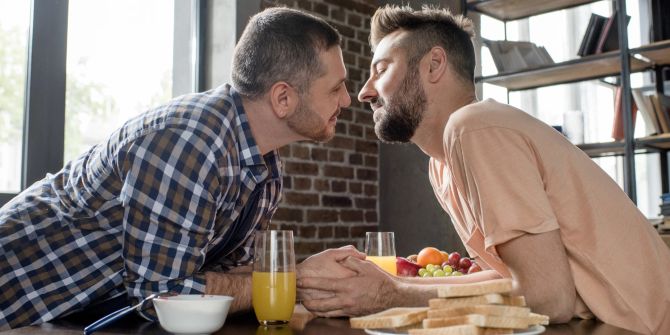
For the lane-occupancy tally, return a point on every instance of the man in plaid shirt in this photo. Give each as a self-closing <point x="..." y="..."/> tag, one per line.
<point x="170" y="201"/>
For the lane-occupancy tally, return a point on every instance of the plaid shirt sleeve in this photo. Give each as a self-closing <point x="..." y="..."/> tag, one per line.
<point x="169" y="195"/>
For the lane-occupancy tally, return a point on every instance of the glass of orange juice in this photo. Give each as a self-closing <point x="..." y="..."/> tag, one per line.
<point x="380" y="249"/>
<point x="273" y="277"/>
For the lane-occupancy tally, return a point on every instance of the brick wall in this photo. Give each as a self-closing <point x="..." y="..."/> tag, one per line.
<point x="331" y="190"/>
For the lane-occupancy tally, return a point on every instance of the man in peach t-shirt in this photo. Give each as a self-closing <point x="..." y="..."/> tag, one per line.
<point x="526" y="202"/>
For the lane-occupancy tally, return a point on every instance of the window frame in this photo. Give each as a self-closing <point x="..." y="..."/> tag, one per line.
<point x="44" y="105"/>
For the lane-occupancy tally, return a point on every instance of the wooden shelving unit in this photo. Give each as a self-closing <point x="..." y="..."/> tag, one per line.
<point x="508" y="10"/>
<point x="654" y="56"/>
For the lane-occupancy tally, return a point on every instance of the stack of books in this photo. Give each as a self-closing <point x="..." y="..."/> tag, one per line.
<point x="601" y="35"/>
<point x="511" y="56"/>
<point x="655" y="110"/>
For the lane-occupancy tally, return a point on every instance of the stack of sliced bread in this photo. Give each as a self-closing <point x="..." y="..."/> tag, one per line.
<point x="463" y="309"/>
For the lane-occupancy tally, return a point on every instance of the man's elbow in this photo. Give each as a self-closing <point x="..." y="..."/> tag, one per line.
<point x="559" y="309"/>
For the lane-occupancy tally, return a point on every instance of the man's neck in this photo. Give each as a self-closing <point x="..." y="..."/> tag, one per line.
<point x="269" y="132"/>
<point x="429" y="136"/>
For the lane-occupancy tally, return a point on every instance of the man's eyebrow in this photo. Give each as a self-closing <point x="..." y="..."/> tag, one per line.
<point x="377" y="61"/>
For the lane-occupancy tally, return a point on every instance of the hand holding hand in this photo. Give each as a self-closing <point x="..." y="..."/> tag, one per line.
<point x="326" y="264"/>
<point x="369" y="291"/>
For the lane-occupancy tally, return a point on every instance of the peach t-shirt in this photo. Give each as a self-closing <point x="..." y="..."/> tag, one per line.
<point x="507" y="174"/>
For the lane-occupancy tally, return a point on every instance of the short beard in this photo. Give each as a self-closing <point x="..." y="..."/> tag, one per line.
<point x="403" y="112"/>
<point x="308" y="124"/>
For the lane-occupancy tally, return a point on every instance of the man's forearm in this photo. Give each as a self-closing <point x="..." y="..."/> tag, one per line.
<point x="237" y="285"/>
<point x="415" y="291"/>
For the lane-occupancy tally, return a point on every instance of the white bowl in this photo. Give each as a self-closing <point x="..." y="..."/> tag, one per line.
<point x="192" y="313"/>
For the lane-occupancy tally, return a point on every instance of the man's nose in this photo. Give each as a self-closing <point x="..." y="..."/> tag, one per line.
<point x="367" y="93"/>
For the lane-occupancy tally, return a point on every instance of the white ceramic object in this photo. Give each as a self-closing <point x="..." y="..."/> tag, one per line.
<point x="192" y="313"/>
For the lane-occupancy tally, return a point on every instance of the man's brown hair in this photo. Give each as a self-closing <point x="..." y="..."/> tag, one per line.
<point x="280" y="44"/>
<point x="427" y="28"/>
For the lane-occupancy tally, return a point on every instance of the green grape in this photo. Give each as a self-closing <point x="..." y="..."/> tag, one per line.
<point x="456" y="273"/>
<point x="438" y="273"/>
<point x="447" y="269"/>
<point x="430" y="267"/>
<point x="421" y="272"/>
<point x="427" y="274"/>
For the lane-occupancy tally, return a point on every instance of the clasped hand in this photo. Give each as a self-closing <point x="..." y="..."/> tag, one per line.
<point x="340" y="282"/>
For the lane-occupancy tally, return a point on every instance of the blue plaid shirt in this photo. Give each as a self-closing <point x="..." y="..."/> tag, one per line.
<point x="138" y="213"/>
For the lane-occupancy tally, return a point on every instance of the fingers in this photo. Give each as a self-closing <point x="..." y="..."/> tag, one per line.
<point x="341" y="253"/>
<point x="312" y="294"/>
<point x="321" y="284"/>
<point x="332" y="314"/>
<point x="326" y="307"/>
<point x="353" y="252"/>
<point x="355" y="264"/>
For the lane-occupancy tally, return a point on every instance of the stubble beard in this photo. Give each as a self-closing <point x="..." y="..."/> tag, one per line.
<point x="307" y="123"/>
<point x="399" y="118"/>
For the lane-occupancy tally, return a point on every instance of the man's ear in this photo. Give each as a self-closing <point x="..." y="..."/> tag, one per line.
<point x="283" y="99"/>
<point x="437" y="67"/>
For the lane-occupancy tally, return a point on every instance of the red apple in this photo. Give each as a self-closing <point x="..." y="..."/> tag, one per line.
<point x="406" y="268"/>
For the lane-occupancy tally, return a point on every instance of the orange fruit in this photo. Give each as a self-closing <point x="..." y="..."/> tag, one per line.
<point x="445" y="256"/>
<point x="429" y="255"/>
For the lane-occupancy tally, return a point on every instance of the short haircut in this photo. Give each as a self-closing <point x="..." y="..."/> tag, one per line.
<point x="280" y="44"/>
<point x="427" y="28"/>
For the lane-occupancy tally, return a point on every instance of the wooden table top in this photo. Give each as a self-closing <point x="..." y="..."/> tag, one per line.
<point x="245" y="323"/>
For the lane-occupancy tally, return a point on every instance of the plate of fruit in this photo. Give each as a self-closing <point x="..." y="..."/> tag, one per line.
<point x="432" y="262"/>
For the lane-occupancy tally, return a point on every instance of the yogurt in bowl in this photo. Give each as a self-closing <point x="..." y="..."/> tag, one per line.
<point x="192" y="313"/>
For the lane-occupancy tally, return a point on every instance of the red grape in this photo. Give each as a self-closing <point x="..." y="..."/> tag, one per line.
<point x="464" y="263"/>
<point x="453" y="259"/>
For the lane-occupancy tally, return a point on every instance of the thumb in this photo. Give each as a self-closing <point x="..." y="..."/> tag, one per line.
<point x="354" y="264"/>
<point x="347" y="251"/>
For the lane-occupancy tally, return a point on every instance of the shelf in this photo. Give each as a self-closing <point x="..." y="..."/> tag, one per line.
<point x="585" y="68"/>
<point x="657" y="53"/>
<point x="507" y="10"/>
<point x="656" y="142"/>
<point x="605" y="149"/>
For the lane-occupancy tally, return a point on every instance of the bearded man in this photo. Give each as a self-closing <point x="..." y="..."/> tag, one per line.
<point x="527" y="204"/>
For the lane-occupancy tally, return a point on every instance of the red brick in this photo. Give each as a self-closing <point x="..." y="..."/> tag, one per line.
<point x="370" y="147"/>
<point x="348" y="215"/>
<point x="336" y="201"/>
<point x="308" y="248"/>
<point x="305" y="4"/>
<point x="307" y="231"/>
<point x="355" y="187"/>
<point x="301" y="199"/>
<point x="355" y="130"/>
<point x="285" y="151"/>
<point x="293" y="168"/>
<point x="341" y="128"/>
<point x="338" y="186"/>
<point x="370" y="190"/>
<point x="322" y="215"/>
<point x="319" y="154"/>
<point x="355" y="159"/>
<point x="336" y="156"/>
<point x="288" y="214"/>
<point x="302" y="184"/>
<point x="350" y="58"/>
<point x="370" y="134"/>
<point x="337" y="13"/>
<point x="344" y="30"/>
<point x="371" y="216"/>
<point x="371" y="161"/>
<point x="338" y="171"/>
<point x="364" y="117"/>
<point x="321" y="185"/>
<point x="366" y="174"/>
<point x="300" y="151"/>
<point x="320" y="8"/>
<point x="366" y="203"/>
<point x="359" y="231"/>
<point x="341" y="231"/>
<point x="363" y="8"/>
<point x="354" y="20"/>
<point x="286" y="181"/>
<point x="355" y="47"/>
<point x="326" y="231"/>
<point x="346" y="114"/>
<point x="364" y="62"/>
<point x="290" y="227"/>
<point x="340" y="142"/>
<point x="336" y="244"/>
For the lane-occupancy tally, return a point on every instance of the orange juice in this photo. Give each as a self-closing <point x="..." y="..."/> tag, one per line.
<point x="387" y="263"/>
<point x="273" y="296"/>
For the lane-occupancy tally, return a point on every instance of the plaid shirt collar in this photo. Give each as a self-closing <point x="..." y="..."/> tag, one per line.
<point x="250" y="155"/>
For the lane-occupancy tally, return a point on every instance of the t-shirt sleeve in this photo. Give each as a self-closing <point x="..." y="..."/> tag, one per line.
<point x="500" y="175"/>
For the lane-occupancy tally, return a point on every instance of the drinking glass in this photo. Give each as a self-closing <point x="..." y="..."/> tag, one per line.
<point x="380" y="249"/>
<point x="273" y="278"/>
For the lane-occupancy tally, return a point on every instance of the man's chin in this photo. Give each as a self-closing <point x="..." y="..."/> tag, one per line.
<point x="391" y="139"/>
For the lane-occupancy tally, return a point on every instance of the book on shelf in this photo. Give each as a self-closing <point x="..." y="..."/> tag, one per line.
<point x="591" y="35"/>
<point x="601" y="35"/>
<point x="647" y="111"/>
<point x="609" y="37"/>
<point x="617" y="125"/>
<point x="510" y="56"/>
<point x="661" y="104"/>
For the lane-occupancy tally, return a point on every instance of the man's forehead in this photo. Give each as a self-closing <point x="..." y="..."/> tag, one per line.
<point x="389" y="43"/>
